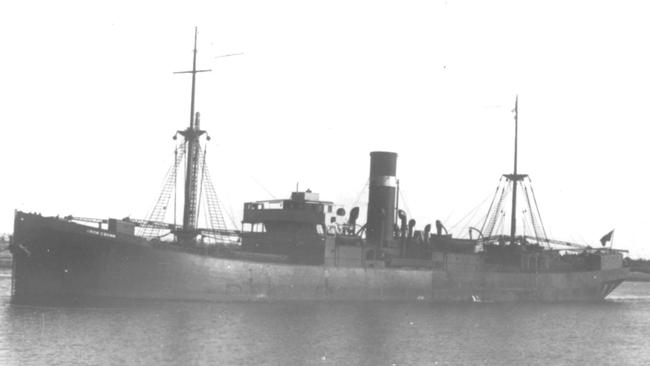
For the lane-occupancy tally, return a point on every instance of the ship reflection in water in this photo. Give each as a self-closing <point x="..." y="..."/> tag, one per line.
<point x="312" y="333"/>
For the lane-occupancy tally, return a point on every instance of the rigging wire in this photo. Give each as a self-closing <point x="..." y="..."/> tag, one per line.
<point x="498" y="209"/>
<point x="503" y="212"/>
<point x="206" y="217"/>
<point x="262" y="186"/>
<point x="165" y="180"/>
<point x="198" y="207"/>
<point x="501" y="220"/>
<point x="364" y="189"/>
<point x="175" y="180"/>
<point x="492" y="203"/>
<point x="536" y="227"/>
<point x="159" y="210"/>
<point x="472" y="212"/>
<point x="215" y="208"/>
<point x="403" y="200"/>
<point x="537" y="208"/>
<point x="524" y="222"/>
<point x="220" y="209"/>
<point x="230" y="216"/>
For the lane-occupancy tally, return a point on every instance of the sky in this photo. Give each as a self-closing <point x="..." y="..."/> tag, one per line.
<point x="89" y="104"/>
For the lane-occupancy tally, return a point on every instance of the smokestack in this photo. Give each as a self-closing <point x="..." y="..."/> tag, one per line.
<point x="381" y="197"/>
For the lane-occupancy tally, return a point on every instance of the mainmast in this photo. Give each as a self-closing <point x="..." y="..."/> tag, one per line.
<point x="513" y="219"/>
<point x="494" y="218"/>
<point x="192" y="135"/>
<point x="514" y="177"/>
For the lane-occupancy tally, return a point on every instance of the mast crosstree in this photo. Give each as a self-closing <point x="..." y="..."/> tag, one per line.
<point x="514" y="177"/>
<point x="511" y="186"/>
<point x="193" y="151"/>
<point x="195" y="182"/>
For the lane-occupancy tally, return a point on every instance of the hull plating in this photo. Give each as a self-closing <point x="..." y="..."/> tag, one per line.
<point x="53" y="258"/>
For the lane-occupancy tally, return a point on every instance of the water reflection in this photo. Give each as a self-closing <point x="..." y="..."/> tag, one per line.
<point x="172" y="333"/>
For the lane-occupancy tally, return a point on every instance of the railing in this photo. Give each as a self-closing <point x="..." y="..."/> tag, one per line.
<point x="150" y="224"/>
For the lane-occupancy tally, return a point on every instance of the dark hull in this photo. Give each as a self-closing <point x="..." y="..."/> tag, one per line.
<point x="58" y="259"/>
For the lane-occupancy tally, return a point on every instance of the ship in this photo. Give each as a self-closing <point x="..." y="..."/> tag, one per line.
<point x="302" y="248"/>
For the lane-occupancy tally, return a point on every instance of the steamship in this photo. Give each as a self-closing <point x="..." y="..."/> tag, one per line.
<point x="301" y="248"/>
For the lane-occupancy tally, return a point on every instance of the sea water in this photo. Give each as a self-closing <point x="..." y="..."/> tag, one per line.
<point x="615" y="332"/>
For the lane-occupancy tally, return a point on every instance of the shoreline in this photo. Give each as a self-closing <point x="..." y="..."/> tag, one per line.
<point x="638" y="277"/>
<point x="6" y="258"/>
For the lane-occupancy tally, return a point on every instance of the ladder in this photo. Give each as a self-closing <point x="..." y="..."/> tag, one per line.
<point x="160" y="208"/>
<point x="213" y="206"/>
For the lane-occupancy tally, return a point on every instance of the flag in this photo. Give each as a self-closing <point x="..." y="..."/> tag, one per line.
<point x="606" y="238"/>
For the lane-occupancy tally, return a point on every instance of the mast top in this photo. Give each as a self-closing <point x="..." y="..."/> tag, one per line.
<point x="194" y="71"/>
<point x="193" y="151"/>
<point x="514" y="178"/>
<point x="516" y="129"/>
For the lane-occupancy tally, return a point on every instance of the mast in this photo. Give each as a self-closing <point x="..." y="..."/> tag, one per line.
<point x="192" y="135"/>
<point x="515" y="178"/>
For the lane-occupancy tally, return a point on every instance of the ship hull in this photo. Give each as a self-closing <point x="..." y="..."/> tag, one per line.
<point x="55" y="259"/>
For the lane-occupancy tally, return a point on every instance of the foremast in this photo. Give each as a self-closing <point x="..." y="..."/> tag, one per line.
<point x="192" y="136"/>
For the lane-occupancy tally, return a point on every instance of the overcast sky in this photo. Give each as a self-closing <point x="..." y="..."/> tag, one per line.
<point x="89" y="104"/>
